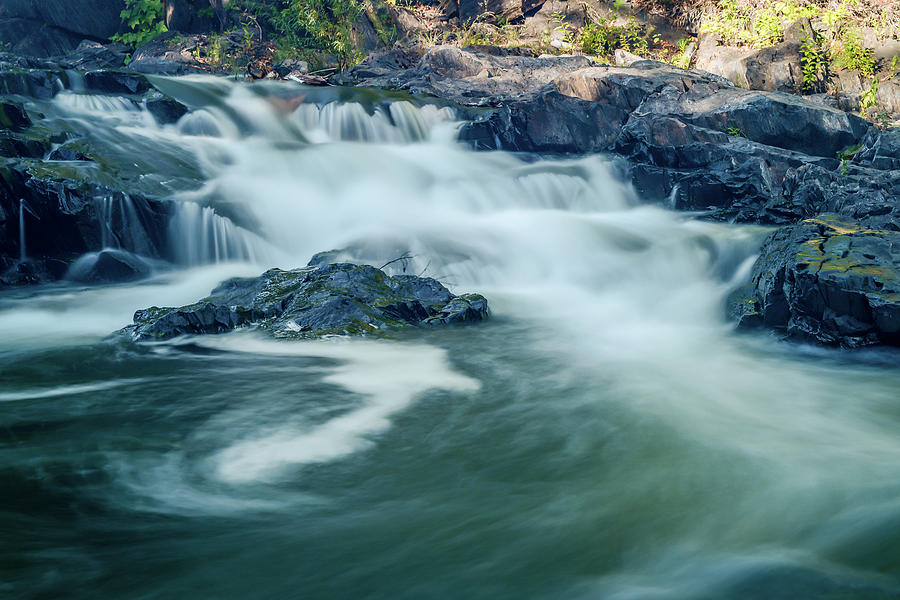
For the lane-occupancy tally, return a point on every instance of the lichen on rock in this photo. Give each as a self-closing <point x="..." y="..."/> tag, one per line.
<point x="334" y="299"/>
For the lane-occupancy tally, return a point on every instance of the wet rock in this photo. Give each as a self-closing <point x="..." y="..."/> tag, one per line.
<point x="115" y="82"/>
<point x="341" y="299"/>
<point x="829" y="280"/>
<point x="66" y="218"/>
<point x="164" y="109"/>
<point x="91" y="56"/>
<point x="108" y="266"/>
<point x="40" y="84"/>
<point x="13" y="116"/>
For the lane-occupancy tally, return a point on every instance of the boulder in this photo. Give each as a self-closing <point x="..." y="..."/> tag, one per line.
<point x="164" y="109"/>
<point x="108" y="266"/>
<point x="55" y="27"/>
<point x="334" y="299"/>
<point x="827" y="279"/>
<point x="115" y="82"/>
<point x="880" y="150"/>
<point x="13" y="116"/>
<point x="775" y="68"/>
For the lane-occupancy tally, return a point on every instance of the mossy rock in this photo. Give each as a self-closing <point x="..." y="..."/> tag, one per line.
<point x="827" y="279"/>
<point x="335" y="299"/>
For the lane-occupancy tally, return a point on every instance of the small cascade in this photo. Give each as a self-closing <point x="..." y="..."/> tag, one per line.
<point x="22" y="230"/>
<point x="399" y="122"/>
<point x="199" y="236"/>
<point x="122" y="225"/>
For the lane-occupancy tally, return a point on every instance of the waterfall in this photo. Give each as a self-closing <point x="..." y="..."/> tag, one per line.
<point x="200" y="236"/>
<point x="22" y="230"/>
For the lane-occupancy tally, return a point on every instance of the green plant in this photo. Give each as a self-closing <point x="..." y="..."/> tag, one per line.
<point x="851" y="54"/>
<point x="867" y="99"/>
<point x="143" y="18"/>
<point x="320" y="24"/>
<point x="734" y="131"/>
<point x="845" y="156"/>
<point x="598" y="39"/>
<point x="895" y="64"/>
<point x="814" y="64"/>
<point x="563" y="27"/>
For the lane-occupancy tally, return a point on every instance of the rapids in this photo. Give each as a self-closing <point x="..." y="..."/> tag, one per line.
<point x="606" y="435"/>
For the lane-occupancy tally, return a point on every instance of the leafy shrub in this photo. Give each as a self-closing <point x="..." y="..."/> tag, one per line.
<point x="851" y="54"/>
<point x="144" y="19"/>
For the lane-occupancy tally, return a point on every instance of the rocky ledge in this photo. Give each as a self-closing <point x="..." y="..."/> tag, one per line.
<point x="335" y="299"/>
<point x="827" y="279"/>
<point x="690" y="138"/>
<point x="697" y="142"/>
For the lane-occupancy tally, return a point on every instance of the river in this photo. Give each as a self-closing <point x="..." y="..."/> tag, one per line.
<point x="606" y="435"/>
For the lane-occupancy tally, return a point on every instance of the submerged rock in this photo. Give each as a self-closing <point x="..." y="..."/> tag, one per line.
<point x="108" y="266"/>
<point x="827" y="279"/>
<point x="335" y="299"/>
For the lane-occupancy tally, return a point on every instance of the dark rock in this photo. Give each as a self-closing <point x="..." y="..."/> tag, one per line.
<point x="156" y="58"/>
<point x="341" y="299"/>
<point x="829" y="280"/>
<point x="164" y="109"/>
<point x="40" y="84"/>
<point x="859" y="193"/>
<point x="880" y="150"/>
<point x="108" y="266"/>
<point x="115" y="82"/>
<point x="66" y="218"/>
<point x="70" y="151"/>
<point x="12" y="116"/>
<point x="29" y="37"/>
<point x="290" y="65"/>
<point x="91" y="56"/>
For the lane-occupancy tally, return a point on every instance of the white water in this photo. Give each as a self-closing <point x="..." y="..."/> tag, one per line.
<point x="722" y="455"/>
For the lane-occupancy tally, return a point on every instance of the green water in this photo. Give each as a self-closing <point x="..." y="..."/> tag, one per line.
<point x="607" y="435"/>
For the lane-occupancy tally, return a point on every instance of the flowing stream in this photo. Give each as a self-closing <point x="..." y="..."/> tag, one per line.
<point x="607" y="435"/>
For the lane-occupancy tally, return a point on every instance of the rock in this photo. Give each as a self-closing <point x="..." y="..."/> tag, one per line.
<point x="469" y="77"/>
<point x="55" y="27"/>
<point x="775" y="68"/>
<point x="67" y="218"/>
<point x="625" y="58"/>
<point x="35" y="83"/>
<point x="335" y="299"/>
<point x="91" y="56"/>
<point x="115" y="82"/>
<point x="68" y="151"/>
<point x="881" y="150"/>
<point x="829" y="280"/>
<point x="13" y="116"/>
<point x="156" y="58"/>
<point x="855" y="192"/>
<point x="290" y="65"/>
<point x="164" y="109"/>
<point x="108" y="266"/>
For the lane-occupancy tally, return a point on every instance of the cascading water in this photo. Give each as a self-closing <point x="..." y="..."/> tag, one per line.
<point x="606" y="435"/>
<point x="22" y="254"/>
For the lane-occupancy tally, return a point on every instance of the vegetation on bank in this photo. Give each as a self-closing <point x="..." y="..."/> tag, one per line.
<point x="837" y="34"/>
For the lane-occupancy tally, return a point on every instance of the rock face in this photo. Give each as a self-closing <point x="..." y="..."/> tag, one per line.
<point x="829" y="280"/>
<point x="691" y="139"/>
<point x="54" y="27"/>
<point x="339" y="299"/>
